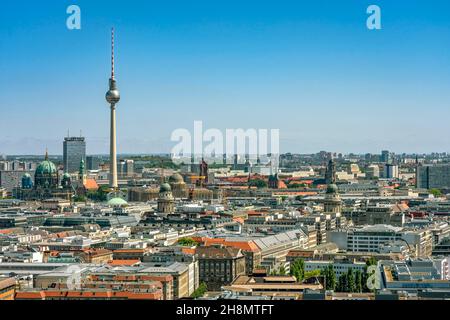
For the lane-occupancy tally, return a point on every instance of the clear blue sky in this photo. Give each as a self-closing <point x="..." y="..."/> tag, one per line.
<point x="310" y="68"/>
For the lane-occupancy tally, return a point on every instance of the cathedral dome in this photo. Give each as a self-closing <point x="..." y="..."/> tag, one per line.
<point x="117" y="202"/>
<point x="46" y="174"/>
<point x="46" y="167"/>
<point x="176" y="178"/>
<point x="332" y="188"/>
<point x="165" y="187"/>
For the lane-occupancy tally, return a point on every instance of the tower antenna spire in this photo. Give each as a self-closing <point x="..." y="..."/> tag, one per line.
<point x="112" y="53"/>
<point x="113" y="97"/>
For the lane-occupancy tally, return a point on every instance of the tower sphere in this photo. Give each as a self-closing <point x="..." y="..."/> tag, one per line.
<point x="113" y="95"/>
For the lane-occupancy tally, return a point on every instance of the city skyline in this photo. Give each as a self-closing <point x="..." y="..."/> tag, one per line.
<point x="219" y="158"/>
<point x="312" y="70"/>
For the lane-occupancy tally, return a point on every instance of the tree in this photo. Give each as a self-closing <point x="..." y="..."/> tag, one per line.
<point x="371" y="261"/>
<point x="312" y="274"/>
<point x="98" y="195"/>
<point x="200" y="291"/>
<point x="351" y="285"/>
<point x="330" y="277"/>
<point x="342" y="283"/>
<point x="79" y="198"/>
<point x="358" y="281"/>
<point x="296" y="185"/>
<point x="435" y="192"/>
<point x="155" y="161"/>
<point x="298" y="269"/>
<point x="188" y="242"/>
<point x="282" y="271"/>
<point x="257" y="183"/>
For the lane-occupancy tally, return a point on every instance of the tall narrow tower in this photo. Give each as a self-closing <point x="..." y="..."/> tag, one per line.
<point x="113" y="97"/>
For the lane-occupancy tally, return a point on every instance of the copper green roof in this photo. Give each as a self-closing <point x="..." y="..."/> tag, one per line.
<point x="46" y="167"/>
<point x="117" y="202"/>
<point x="66" y="176"/>
<point x="332" y="188"/>
<point x="165" y="187"/>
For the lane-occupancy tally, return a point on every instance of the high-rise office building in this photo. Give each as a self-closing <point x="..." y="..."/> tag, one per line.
<point x="390" y="171"/>
<point x="386" y="156"/>
<point x="433" y="176"/>
<point x="125" y="168"/>
<point x="372" y="171"/>
<point x="74" y="150"/>
<point x="93" y="162"/>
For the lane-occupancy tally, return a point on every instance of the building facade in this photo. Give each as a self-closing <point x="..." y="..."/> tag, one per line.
<point x="74" y="150"/>
<point x="433" y="176"/>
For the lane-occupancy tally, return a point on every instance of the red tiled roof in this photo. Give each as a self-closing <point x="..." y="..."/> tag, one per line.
<point x="89" y="294"/>
<point x="243" y="245"/>
<point x="188" y="250"/>
<point x="91" y="184"/>
<point x="130" y="262"/>
<point x="239" y="220"/>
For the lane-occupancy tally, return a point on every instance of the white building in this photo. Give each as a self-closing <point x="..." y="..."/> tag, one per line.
<point x="339" y="267"/>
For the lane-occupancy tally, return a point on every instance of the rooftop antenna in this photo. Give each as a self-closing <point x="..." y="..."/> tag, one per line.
<point x="112" y="53"/>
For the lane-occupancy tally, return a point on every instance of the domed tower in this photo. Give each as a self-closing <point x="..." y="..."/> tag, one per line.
<point x="165" y="199"/>
<point x="27" y="182"/>
<point x="113" y="97"/>
<point x="332" y="202"/>
<point x="178" y="186"/>
<point x="82" y="173"/>
<point x="66" y="181"/>
<point x="330" y="172"/>
<point x="46" y="175"/>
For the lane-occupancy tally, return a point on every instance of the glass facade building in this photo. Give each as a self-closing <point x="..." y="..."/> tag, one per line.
<point x="433" y="176"/>
<point x="74" y="150"/>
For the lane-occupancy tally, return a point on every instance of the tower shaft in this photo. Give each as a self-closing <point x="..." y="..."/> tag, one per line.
<point x="112" y="151"/>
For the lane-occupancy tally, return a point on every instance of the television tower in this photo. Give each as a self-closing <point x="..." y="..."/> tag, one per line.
<point x="113" y="97"/>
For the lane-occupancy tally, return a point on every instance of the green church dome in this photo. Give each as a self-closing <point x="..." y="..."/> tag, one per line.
<point x="165" y="187"/>
<point x="46" y="167"/>
<point x="66" y="176"/>
<point x="117" y="202"/>
<point x="332" y="189"/>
